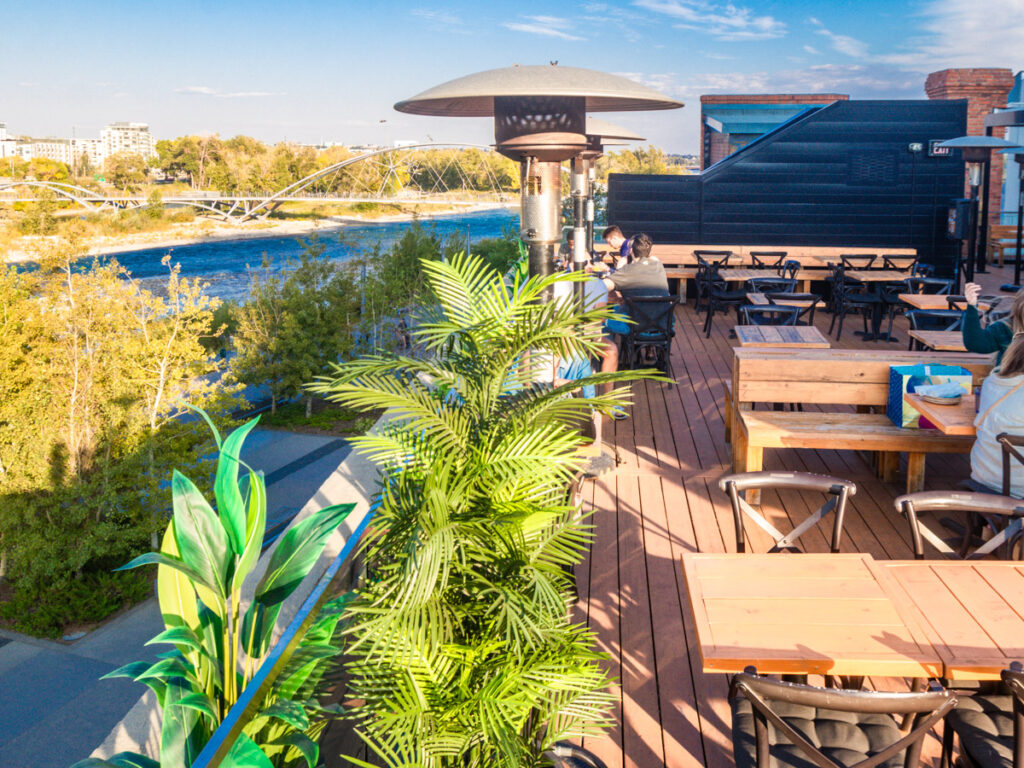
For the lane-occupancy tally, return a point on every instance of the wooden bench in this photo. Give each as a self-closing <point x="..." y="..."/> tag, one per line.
<point x="832" y="378"/>
<point x="1001" y="238"/>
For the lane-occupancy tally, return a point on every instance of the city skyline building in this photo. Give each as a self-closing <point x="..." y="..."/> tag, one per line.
<point x="129" y="137"/>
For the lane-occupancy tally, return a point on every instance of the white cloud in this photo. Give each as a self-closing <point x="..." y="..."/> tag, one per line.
<point x="546" y="26"/>
<point x="441" y="21"/>
<point x="965" y="33"/>
<point x="849" y="46"/>
<point x="723" y="22"/>
<point x="812" y="50"/>
<point x="205" y="90"/>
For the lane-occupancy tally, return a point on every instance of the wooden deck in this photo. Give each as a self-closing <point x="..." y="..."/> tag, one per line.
<point x="663" y="500"/>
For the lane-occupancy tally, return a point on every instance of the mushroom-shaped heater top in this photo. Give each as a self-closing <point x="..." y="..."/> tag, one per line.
<point x="539" y="111"/>
<point x="601" y="133"/>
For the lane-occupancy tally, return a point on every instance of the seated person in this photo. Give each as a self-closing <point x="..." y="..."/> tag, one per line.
<point x="618" y="242"/>
<point x="1001" y="409"/>
<point x="997" y="336"/>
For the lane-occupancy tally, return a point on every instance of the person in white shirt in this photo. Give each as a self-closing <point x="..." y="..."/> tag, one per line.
<point x="1001" y="409"/>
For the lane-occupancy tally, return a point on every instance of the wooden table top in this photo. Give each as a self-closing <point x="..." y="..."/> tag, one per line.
<point x="949" y="419"/>
<point x="805" y="614"/>
<point x="941" y="341"/>
<point x="806" y="336"/>
<point x="972" y="611"/>
<point x="742" y="275"/>
<point x="877" y="275"/>
<point x="760" y="299"/>
<point x="934" y="301"/>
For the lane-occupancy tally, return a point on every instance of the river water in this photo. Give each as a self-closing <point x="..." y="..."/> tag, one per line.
<point x="225" y="264"/>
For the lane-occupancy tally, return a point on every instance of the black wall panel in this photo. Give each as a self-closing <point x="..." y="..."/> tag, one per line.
<point x="841" y="175"/>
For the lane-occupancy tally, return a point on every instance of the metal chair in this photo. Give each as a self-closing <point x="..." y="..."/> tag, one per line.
<point x="837" y="489"/>
<point x="717" y="294"/>
<point x="989" y="726"/>
<point x="933" y="320"/>
<point x="1010" y="444"/>
<point x="777" y="723"/>
<point x="652" y="332"/>
<point x="857" y="260"/>
<point x="771" y="284"/>
<point x="922" y="270"/>
<point x="898" y="262"/>
<point x="714" y="258"/>
<point x="806" y="316"/>
<point x="849" y="298"/>
<point x="768" y="314"/>
<point x="767" y="259"/>
<point x="789" y="269"/>
<point x="935" y="286"/>
<point x="1003" y="515"/>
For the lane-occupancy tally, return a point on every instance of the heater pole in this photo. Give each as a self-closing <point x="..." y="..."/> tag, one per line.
<point x="578" y="193"/>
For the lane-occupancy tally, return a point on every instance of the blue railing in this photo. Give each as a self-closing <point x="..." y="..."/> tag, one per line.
<point x="248" y="704"/>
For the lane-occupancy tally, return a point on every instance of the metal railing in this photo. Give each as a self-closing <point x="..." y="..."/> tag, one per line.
<point x="248" y="704"/>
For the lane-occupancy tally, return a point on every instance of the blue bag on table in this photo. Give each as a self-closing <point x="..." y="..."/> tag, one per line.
<point x="907" y="378"/>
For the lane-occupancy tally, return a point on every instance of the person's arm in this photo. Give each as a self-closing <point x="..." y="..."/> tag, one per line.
<point x="985" y="341"/>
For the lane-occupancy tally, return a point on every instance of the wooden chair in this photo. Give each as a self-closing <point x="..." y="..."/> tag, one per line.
<point x="836" y="490"/>
<point x="777" y="723"/>
<point x="989" y="726"/>
<point x="1003" y="515"/>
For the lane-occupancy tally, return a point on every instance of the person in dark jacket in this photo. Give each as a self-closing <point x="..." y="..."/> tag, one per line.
<point x="996" y="337"/>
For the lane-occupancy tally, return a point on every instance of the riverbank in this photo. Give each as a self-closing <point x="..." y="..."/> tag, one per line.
<point x="209" y="231"/>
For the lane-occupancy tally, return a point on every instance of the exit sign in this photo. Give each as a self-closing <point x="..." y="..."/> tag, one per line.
<point x="934" y="150"/>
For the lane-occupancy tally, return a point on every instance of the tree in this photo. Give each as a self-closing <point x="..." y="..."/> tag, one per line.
<point x="293" y="327"/>
<point x="645" y="160"/>
<point x="126" y="170"/>
<point x="44" y="169"/>
<point x="462" y="650"/>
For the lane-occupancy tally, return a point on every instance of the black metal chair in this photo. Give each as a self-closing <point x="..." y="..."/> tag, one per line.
<point x="922" y="270"/>
<point x="649" y="341"/>
<point x="837" y="489"/>
<point x="989" y="726"/>
<point x="1010" y="444"/>
<point x="857" y="260"/>
<point x="717" y="294"/>
<point x="771" y="285"/>
<point x="768" y="314"/>
<point x="806" y="316"/>
<point x="789" y="269"/>
<point x="899" y="263"/>
<point x="767" y="259"/>
<point x="850" y="297"/>
<point x="1003" y="515"/>
<point x="935" y="286"/>
<point x="777" y="723"/>
<point x="933" y="320"/>
<point x="714" y="258"/>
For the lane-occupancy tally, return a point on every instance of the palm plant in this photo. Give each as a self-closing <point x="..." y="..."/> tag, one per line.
<point x="462" y="648"/>
<point x="216" y="649"/>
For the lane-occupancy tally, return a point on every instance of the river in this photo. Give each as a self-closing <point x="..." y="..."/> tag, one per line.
<point x="225" y="264"/>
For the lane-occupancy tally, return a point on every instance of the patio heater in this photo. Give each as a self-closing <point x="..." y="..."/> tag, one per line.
<point x="976" y="151"/>
<point x="540" y="121"/>
<point x="1018" y="156"/>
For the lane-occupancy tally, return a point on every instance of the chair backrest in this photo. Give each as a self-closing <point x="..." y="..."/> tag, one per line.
<point x="813" y="300"/>
<point x="927" y="707"/>
<point x="898" y="262"/>
<point x="771" y="284"/>
<point x="835" y="489"/>
<point x="857" y="260"/>
<point x="923" y="270"/>
<point x="653" y="317"/>
<point x="990" y="507"/>
<point x="769" y="314"/>
<point x="789" y="269"/>
<point x="831" y="376"/>
<point x="935" y="319"/>
<point x="717" y="258"/>
<point x="767" y="259"/>
<point x="931" y="285"/>
<point x="1010" y="444"/>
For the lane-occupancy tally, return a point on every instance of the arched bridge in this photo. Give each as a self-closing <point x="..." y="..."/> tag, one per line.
<point x="406" y="174"/>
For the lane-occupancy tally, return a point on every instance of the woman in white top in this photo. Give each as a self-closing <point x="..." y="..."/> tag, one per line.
<point x="1001" y="409"/>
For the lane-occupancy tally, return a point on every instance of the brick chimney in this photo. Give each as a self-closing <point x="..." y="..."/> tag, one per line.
<point x="984" y="89"/>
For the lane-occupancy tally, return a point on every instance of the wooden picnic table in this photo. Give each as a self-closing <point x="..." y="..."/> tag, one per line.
<point x="805" y="614"/>
<point x="971" y="611"/>
<point x="941" y="341"/>
<point x="806" y="336"/>
<point x="949" y="419"/>
<point x="935" y="301"/>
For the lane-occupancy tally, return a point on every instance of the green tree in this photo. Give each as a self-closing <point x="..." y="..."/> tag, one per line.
<point x="126" y="170"/>
<point x="295" y="324"/>
<point x="44" y="169"/>
<point x="463" y="652"/>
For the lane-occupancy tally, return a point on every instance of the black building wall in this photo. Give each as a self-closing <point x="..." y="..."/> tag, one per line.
<point x="839" y="175"/>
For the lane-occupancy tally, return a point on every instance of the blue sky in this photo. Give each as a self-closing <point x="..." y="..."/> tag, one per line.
<point x="307" y="70"/>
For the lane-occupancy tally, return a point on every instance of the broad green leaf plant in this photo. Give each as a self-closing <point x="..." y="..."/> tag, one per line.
<point x="462" y="647"/>
<point x="216" y="649"/>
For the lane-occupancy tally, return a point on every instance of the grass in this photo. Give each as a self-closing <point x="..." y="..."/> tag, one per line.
<point x="326" y="419"/>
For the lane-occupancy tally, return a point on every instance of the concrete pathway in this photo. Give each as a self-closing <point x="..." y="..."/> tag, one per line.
<point x="54" y="709"/>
